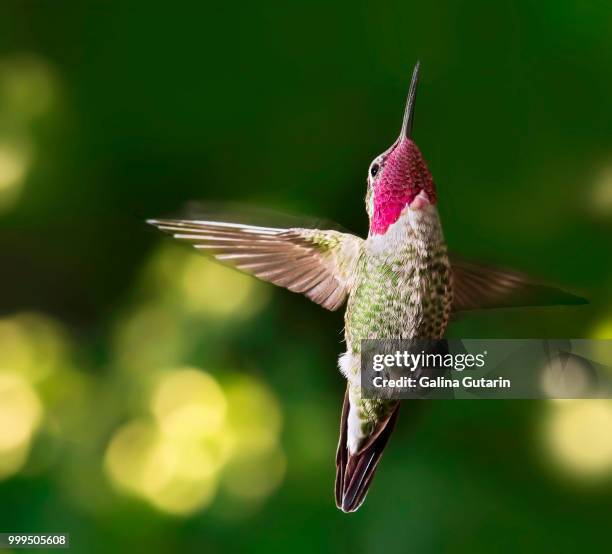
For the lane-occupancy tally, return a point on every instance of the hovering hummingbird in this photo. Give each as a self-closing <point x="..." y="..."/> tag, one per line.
<point x="398" y="283"/>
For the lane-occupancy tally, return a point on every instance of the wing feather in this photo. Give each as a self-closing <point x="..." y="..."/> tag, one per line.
<point x="319" y="264"/>
<point x="479" y="286"/>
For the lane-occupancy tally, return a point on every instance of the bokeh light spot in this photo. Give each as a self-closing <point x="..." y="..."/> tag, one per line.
<point x="254" y="416"/>
<point x="185" y="496"/>
<point x="32" y="345"/>
<point x="15" y="349"/>
<point x="20" y="415"/>
<point x="216" y="290"/>
<point x="20" y="410"/>
<point x="601" y="196"/>
<point x="189" y="403"/>
<point x="578" y="434"/>
<point x="28" y="85"/>
<point x="143" y="461"/>
<point x="136" y="459"/>
<point x="201" y="433"/>
<point x="15" y="159"/>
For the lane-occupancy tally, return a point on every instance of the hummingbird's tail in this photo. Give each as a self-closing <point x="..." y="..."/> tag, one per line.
<point x="354" y="472"/>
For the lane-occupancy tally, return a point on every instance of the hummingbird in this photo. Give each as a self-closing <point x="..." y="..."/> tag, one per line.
<point x="398" y="283"/>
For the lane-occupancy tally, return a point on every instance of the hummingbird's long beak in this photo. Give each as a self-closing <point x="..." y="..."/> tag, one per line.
<point x="406" y="131"/>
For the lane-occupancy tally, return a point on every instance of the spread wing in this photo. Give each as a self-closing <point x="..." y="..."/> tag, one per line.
<point x="478" y="286"/>
<point x="319" y="264"/>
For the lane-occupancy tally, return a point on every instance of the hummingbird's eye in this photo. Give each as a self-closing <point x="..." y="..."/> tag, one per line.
<point x="374" y="170"/>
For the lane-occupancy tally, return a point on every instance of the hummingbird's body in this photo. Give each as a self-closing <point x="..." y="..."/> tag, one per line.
<point x="399" y="283"/>
<point x="402" y="289"/>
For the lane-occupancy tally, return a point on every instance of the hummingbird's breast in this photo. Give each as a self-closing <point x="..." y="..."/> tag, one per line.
<point x="403" y="284"/>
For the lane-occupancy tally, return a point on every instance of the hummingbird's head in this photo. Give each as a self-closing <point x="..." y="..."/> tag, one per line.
<point x="398" y="178"/>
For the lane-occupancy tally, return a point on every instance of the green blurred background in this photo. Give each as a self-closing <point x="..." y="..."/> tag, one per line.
<point x="153" y="401"/>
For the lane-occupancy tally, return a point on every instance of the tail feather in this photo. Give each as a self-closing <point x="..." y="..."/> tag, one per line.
<point x="354" y="472"/>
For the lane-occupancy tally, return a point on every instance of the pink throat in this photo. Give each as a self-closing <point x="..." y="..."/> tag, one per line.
<point x="404" y="176"/>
